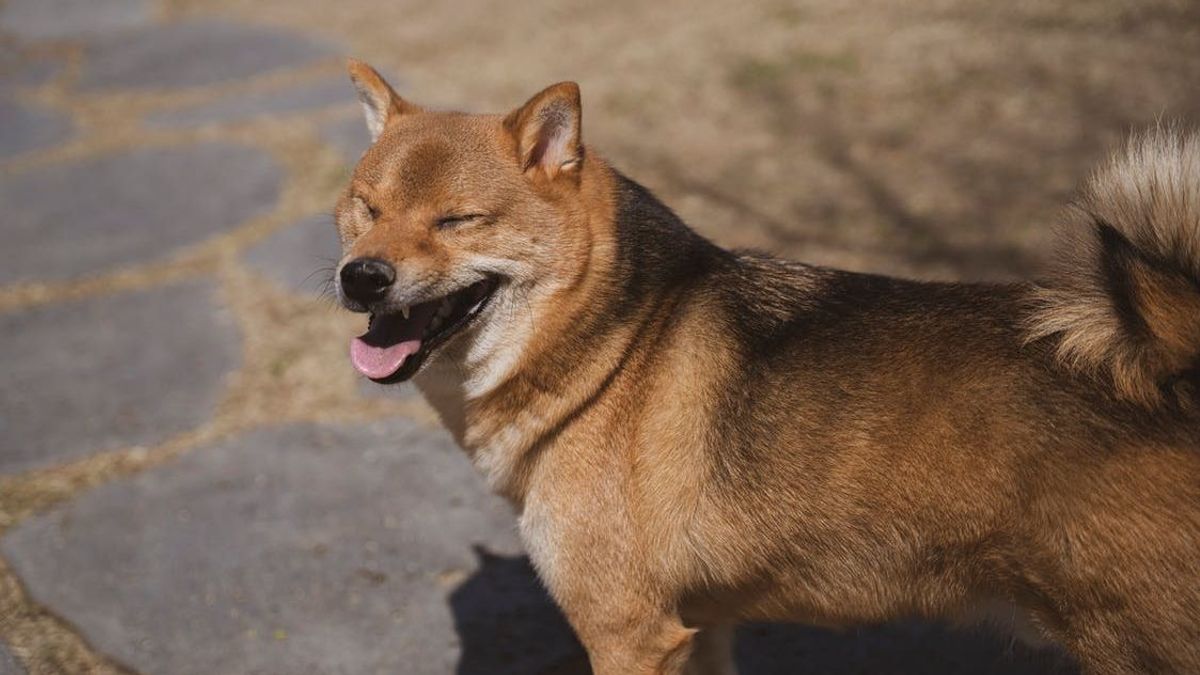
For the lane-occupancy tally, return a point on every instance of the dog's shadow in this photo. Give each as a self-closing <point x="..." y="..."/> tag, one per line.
<point x="508" y="625"/>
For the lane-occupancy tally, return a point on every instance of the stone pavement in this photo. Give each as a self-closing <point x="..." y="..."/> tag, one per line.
<point x="191" y="478"/>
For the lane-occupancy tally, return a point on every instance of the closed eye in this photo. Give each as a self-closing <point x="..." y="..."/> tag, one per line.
<point x="371" y="209"/>
<point x="447" y="222"/>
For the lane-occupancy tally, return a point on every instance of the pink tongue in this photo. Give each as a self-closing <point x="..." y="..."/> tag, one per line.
<point x="380" y="362"/>
<point x="382" y="350"/>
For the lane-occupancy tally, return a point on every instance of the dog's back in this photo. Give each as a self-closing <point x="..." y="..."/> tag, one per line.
<point x="929" y="447"/>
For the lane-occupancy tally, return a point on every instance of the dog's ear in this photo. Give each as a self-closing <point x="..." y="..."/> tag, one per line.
<point x="380" y="102"/>
<point x="547" y="131"/>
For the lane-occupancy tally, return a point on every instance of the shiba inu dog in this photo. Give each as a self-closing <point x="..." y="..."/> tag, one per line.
<point x="694" y="437"/>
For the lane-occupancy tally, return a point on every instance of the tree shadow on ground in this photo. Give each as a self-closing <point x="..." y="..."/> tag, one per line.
<point x="508" y="625"/>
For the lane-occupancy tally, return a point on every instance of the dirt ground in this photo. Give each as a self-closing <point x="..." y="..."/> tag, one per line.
<point x="936" y="138"/>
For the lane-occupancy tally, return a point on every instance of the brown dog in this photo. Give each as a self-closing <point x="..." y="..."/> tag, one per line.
<point x="695" y="437"/>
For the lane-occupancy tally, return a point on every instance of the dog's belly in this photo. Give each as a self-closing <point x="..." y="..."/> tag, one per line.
<point x="1000" y="616"/>
<point x="1006" y="617"/>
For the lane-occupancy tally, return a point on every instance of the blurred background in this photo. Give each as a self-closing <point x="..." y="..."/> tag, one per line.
<point x="192" y="478"/>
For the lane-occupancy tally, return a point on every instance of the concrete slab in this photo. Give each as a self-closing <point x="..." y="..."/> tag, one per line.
<point x="304" y="549"/>
<point x="241" y="107"/>
<point x="128" y="208"/>
<point x="98" y="374"/>
<point x="25" y="127"/>
<point x="298" y="257"/>
<point x="32" y="20"/>
<point x="194" y="53"/>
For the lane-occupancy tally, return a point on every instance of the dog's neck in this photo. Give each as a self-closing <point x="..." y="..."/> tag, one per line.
<point x="508" y="391"/>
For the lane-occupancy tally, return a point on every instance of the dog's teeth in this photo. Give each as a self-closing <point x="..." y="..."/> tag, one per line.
<point x="404" y="311"/>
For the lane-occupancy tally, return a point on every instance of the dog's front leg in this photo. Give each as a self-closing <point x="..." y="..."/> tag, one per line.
<point x="625" y="621"/>
<point x="639" y="645"/>
<point x="611" y="587"/>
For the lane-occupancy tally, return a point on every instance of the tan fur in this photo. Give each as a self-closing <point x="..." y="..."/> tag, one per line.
<point x="1150" y="195"/>
<point x="694" y="437"/>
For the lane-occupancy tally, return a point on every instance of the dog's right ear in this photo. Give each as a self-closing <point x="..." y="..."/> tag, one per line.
<point x="380" y="102"/>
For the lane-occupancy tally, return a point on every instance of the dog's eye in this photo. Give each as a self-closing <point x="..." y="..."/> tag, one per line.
<point x="447" y="222"/>
<point x="363" y="206"/>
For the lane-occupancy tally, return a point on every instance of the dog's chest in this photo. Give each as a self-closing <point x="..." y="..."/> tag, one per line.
<point x="499" y="444"/>
<point x="538" y="530"/>
<point x="500" y="453"/>
<point x="496" y="439"/>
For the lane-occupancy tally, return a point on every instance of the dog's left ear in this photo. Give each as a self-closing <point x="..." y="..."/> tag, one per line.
<point x="547" y="131"/>
<point x="380" y="102"/>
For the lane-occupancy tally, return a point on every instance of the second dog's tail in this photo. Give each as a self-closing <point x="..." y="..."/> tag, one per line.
<point x="1124" y="299"/>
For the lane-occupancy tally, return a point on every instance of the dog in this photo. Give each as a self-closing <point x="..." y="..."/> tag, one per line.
<point x="694" y="437"/>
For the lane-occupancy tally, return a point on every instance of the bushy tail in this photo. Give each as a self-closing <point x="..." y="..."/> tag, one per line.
<point x="1124" y="298"/>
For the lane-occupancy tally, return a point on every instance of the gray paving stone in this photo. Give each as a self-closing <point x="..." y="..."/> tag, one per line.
<point x="194" y="53"/>
<point x="8" y="663"/>
<point x="300" y="256"/>
<point x="18" y="70"/>
<point x="70" y="220"/>
<point x="238" y="107"/>
<point x="92" y="375"/>
<point x="348" y="135"/>
<point x="302" y="549"/>
<point x="32" y="73"/>
<point x="9" y="55"/>
<point x="56" y="19"/>
<point x="24" y="127"/>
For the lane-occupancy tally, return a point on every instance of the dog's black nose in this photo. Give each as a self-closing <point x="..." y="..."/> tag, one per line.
<point x="366" y="280"/>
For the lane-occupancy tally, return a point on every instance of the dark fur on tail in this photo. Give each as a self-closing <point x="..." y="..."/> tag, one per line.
<point x="1124" y="298"/>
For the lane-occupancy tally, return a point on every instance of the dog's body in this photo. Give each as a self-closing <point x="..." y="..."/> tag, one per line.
<point x="695" y="437"/>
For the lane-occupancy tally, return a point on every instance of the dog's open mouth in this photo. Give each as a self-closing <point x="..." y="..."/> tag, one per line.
<point x="396" y="344"/>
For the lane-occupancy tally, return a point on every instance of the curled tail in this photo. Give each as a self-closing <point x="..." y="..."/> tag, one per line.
<point x="1124" y="298"/>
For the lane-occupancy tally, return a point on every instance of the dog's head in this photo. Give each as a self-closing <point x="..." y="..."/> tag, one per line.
<point x="453" y="223"/>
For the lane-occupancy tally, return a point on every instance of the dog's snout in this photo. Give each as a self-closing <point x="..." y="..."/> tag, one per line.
<point x="366" y="280"/>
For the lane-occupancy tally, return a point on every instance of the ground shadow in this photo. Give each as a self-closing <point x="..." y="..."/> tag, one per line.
<point x="508" y="625"/>
<point x="908" y="648"/>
